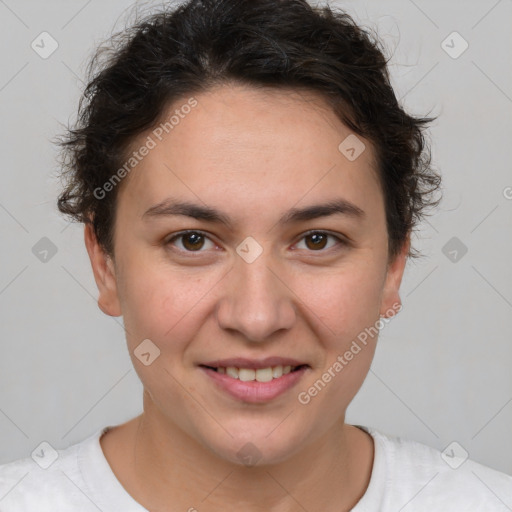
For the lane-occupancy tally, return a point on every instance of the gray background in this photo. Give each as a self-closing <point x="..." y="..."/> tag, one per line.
<point x="442" y="368"/>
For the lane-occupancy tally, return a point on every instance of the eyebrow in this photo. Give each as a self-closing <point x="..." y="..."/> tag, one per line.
<point x="169" y="207"/>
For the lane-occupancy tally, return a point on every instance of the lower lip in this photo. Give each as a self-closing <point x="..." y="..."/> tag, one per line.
<point x="254" y="391"/>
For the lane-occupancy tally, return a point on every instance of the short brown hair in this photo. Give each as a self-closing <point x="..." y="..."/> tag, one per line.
<point x="202" y="43"/>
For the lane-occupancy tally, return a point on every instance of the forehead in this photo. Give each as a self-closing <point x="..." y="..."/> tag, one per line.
<point x="251" y="150"/>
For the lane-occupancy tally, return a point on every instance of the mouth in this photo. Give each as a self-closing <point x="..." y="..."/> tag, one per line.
<point x="254" y="382"/>
<point x="266" y="374"/>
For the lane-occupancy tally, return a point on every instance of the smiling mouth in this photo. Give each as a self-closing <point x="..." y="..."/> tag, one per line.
<point x="260" y="375"/>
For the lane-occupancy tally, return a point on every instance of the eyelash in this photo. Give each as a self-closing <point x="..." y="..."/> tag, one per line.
<point x="340" y="241"/>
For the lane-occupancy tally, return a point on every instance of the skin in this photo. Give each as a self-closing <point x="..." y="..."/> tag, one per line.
<point x="253" y="154"/>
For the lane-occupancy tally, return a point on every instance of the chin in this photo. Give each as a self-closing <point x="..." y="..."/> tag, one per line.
<point x="257" y="447"/>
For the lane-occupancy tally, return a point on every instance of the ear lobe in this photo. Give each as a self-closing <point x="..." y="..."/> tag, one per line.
<point x="390" y="300"/>
<point x="104" y="274"/>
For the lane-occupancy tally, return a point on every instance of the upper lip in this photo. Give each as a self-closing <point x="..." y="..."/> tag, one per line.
<point x="242" y="362"/>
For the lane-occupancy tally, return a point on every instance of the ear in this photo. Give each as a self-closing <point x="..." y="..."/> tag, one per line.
<point x="104" y="274"/>
<point x="390" y="298"/>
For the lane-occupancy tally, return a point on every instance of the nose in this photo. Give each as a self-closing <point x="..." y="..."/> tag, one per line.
<point x="257" y="301"/>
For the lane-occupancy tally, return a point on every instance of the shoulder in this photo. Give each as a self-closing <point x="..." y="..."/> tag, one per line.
<point x="49" y="480"/>
<point x="423" y="477"/>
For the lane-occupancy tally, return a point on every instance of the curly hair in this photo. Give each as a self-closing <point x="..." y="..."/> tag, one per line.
<point x="200" y="44"/>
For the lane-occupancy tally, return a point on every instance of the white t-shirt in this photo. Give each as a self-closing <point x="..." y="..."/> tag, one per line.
<point x="407" y="476"/>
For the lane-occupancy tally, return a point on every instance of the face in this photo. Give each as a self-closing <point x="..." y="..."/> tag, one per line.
<point x="260" y="273"/>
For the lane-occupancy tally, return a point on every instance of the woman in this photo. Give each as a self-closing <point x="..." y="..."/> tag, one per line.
<point x="248" y="184"/>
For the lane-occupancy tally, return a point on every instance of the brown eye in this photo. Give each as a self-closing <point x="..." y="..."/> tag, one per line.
<point x="317" y="241"/>
<point x="191" y="241"/>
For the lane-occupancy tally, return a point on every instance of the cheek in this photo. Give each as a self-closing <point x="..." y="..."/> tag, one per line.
<point x="346" y="300"/>
<point x="160" y="302"/>
<point x="329" y="392"/>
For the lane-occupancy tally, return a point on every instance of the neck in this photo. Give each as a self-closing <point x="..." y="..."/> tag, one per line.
<point x="168" y="466"/>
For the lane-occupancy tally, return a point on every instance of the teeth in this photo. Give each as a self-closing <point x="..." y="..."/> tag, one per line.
<point x="277" y="371"/>
<point x="246" y="374"/>
<point x="260" y="375"/>
<point x="232" y="372"/>
<point x="263" y="374"/>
